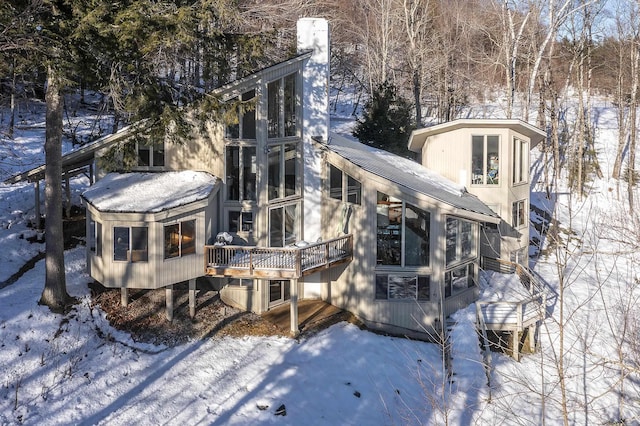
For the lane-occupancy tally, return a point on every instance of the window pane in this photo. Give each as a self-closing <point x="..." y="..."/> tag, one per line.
<point x="335" y="182"/>
<point x="92" y="235"/>
<point x="290" y="168"/>
<point x="158" y="154"/>
<point x="466" y="239"/>
<point x="275" y="227"/>
<point x="188" y="237"/>
<point x="477" y="159"/>
<point x="249" y="172"/>
<point x="273" y="109"/>
<point x="120" y="243"/>
<point x="274" y="172"/>
<point x="416" y="236"/>
<point x="144" y="156"/>
<point x="493" y="162"/>
<point x="247" y="221"/>
<point x="354" y="190"/>
<point x="290" y="105"/>
<point x="290" y="224"/>
<point x="234" y="218"/>
<point x="389" y="237"/>
<point x="139" y="244"/>
<point x="452" y="240"/>
<point x="171" y="241"/>
<point x="249" y="117"/>
<point x="402" y="288"/>
<point x="381" y="287"/>
<point x="233" y="172"/>
<point x="424" y="289"/>
<point x="98" y="239"/>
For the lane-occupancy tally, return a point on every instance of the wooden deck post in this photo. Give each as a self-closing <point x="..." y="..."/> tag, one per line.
<point x="516" y="345"/>
<point x="192" y="298"/>
<point x="124" y="296"/>
<point x="294" y="307"/>
<point x="169" y="297"/>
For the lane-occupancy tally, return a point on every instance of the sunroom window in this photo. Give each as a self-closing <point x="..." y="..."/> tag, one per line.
<point x="402" y="287"/>
<point x="180" y="239"/>
<point x="402" y="233"/>
<point x="485" y="160"/>
<point x="130" y="244"/>
<point x="461" y="240"/>
<point x="240" y="163"/>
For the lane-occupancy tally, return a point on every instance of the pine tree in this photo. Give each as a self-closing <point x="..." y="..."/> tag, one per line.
<point x="386" y="122"/>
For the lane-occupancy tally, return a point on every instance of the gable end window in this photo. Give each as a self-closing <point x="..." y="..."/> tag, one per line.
<point x="245" y="128"/>
<point x="282" y="101"/>
<point x="342" y="186"/>
<point x="130" y="244"/>
<point x="485" y="160"/>
<point x="402" y="233"/>
<point x="180" y="239"/>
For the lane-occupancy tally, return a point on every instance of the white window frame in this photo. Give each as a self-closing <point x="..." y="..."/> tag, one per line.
<point x="520" y="160"/>
<point x="519" y="210"/>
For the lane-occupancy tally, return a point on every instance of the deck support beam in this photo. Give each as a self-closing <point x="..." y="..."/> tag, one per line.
<point x="516" y="345"/>
<point x="192" y="298"/>
<point x="124" y="296"/>
<point x="169" y="297"/>
<point x="294" y="307"/>
<point x="532" y="337"/>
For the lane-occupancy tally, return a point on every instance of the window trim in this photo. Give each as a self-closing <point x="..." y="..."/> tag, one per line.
<point x="520" y="161"/>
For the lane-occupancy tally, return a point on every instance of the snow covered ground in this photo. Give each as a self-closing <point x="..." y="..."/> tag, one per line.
<point x="77" y="369"/>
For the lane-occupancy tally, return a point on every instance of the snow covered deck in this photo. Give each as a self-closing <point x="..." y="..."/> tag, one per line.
<point x="291" y="262"/>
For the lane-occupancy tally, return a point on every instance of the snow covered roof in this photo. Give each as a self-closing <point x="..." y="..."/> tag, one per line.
<point x="149" y="192"/>
<point x="408" y="174"/>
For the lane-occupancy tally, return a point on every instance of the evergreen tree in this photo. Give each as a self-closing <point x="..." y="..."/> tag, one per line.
<point x="386" y="122"/>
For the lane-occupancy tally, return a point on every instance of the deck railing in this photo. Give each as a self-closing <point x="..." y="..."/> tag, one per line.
<point x="290" y="262"/>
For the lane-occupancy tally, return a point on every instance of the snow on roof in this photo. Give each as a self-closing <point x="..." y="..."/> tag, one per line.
<point x="149" y="192"/>
<point x="407" y="173"/>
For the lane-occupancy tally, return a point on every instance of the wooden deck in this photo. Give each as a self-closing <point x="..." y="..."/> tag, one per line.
<point x="291" y="262"/>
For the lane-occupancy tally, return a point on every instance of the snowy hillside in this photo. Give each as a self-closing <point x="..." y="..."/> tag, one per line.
<point x="77" y="369"/>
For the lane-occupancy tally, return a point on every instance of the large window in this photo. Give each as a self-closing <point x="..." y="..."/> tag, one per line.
<point x="282" y="172"/>
<point x="281" y="107"/>
<point x="130" y="244"/>
<point x="180" y="239"/>
<point x="461" y="240"/>
<point x="402" y="287"/>
<point x="520" y="161"/>
<point x="240" y="163"/>
<point x="458" y="280"/>
<point x="283" y="225"/>
<point x="151" y="155"/>
<point x="485" y="160"/>
<point x="245" y="128"/>
<point x="402" y="233"/>
<point x="518" y="214"/>
<point x="337" y="188"/>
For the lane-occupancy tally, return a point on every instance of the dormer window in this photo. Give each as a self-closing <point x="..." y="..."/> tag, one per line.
<point x="485" y="160"/>
<point x="282" y="100"/>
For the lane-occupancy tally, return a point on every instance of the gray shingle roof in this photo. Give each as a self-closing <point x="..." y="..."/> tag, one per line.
<point x="407" y="173"/>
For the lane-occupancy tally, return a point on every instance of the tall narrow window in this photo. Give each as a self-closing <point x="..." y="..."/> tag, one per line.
<point x="485" y="160"/>
<point x="240" y="162"/>
<point x="273" y="109"/>
<point x="290" y="105"/>
<point x="402" y="233"/>
<point x="95" y="237"/>
<point x="518" y="214"/>
<point x="335" y="182"/>
<point x="520" y="163"/>
<point x="282" y="170"/>
<point x="283" y="225"/>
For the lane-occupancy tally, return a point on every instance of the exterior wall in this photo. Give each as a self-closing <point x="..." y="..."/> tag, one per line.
<point x="202" y="152"/>
<point x="437" y="155"/>
<point x="156" y="272"/>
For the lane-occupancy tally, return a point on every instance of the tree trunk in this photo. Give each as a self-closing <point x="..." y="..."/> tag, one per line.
<point x="55" y="294"/>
